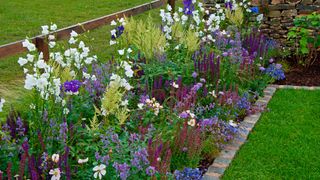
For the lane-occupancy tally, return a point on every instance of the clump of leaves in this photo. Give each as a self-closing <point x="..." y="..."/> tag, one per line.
<point x="235" y="17"/>
<point x="144" y="35"/>
<point x="304" y="37"/>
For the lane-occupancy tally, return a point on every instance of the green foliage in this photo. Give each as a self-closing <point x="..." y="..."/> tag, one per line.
<point x="304" y="37"/>
<point x="145" y="36"/>
<point x="235" y="17"/>
<point x="111" y="105"/>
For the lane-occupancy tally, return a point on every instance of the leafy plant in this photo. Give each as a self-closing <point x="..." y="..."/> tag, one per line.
<point x="304" y="37"/>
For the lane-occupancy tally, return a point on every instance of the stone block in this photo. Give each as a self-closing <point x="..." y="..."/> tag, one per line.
<point x="302" y="7"/>
<point x="281" y="7"/>
<point x="274" y="14"/>
<point x="289" y="13"/>
<point x="306" y="2"/>
<point x="293" y="1"/>
<point x="277" y="1"/>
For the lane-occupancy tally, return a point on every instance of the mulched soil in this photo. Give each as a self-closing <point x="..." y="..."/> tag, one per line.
<point x="300" y="76"/>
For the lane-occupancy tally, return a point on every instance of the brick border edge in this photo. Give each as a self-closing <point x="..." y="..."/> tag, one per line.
<point x="222" y="162"/>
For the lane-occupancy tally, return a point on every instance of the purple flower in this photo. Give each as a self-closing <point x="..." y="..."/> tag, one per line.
<point x="194" y="74"/>
<point x="188" y="7"/>
<point x="225" y="54"/>
<point x="184" y="115"/>
<point x="72" y="86"/>
<point x="262" y="68"/>
<point x="122" y="169"/>
<point x="150" y="170"/>
<point x="119" y="31"/>
<point x="271" y="60"/>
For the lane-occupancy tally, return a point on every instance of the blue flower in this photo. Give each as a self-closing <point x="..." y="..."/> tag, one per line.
<point x="275" y="71"/>
<point x="255" y="9"/>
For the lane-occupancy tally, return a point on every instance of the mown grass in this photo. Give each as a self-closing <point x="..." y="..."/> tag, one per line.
<point x="285" y="142"/>
<point x="20" y="18"/>
<point x="12" y="77"/>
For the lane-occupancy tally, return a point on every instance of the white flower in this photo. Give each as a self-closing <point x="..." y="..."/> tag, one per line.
<point x="22" y="61"/>
<point x="112" y="42"/>
<point x="86" y="75"/>
<point x="25" y="70"/>
<point x="56" y="174"/>
<point x="129" y="73"/>
<point x="129" y="50"/>
<point x="45" y="29"/>
<point x="53" y="27"/>
<point x="169" y="8"/>
<point x="140" y="106"/>
<point x="218" y="6"/>
<point x="28" y="45"/>
<point x="93" y="78"/>
<point x="73" y="34"/>
<point x="2" y="101"/>
<point x="51" y="37"/>
<point x="55" y="158"/>
<point x="52" y="44"/>
<point x="233" y="124"/>
<point x="121" y="52"/>
<point x="213" y="93"/>
<point x="100" y="171"/>
<point x="66" y="111"/>
<point x="113" y="23"/>
<point x="72" y="40"/>
<point x="124" y="103"/>
<point x="113" y="32"/>
<point x="192" y="122"/>
<point x="41" y="64"/>
<point x="82" y="161"/>
<point x="175" y="85"/>
<point x="30" y="82"/>
<point x="260" y="18"/>
<point x="30" y="57"/>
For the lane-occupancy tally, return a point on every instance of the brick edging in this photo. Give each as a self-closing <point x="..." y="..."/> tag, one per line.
<point x="222" y="162"/>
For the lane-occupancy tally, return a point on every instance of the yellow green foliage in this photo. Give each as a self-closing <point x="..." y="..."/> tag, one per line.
<point x="191" y="40"/>
<point x="145" y="36"/>
<point x="63" y="73"/>
<point x="110" y="103"/>
<point x="235" y="17"/>
<point x="188" y="38"/>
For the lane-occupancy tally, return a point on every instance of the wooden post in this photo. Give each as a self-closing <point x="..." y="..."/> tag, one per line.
<point x="43" y="47"/>
<point x="172" y="3"/>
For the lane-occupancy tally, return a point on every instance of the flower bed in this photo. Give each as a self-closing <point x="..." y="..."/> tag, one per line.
<point x="162" y="107"/>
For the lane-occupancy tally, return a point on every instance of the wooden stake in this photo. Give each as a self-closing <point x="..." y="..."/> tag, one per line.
<point x="43" y="47"/>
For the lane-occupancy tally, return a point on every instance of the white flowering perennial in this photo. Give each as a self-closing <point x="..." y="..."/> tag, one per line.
<point x="152" y="103"/>
<point x="2" y="101"/>
<point x="41" y="76"/>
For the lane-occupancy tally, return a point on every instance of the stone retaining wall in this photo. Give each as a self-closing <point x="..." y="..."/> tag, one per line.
<point x="279" y="15"/>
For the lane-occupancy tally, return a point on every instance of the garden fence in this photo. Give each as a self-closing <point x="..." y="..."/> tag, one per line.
<point x="16" y="47"/>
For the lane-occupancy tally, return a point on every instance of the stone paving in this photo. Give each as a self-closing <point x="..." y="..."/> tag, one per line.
<point x="221" y="163"/>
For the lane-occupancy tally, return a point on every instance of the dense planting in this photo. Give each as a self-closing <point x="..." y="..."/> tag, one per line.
<point x="168" y="100"/>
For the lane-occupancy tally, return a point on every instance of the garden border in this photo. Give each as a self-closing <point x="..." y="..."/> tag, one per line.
<point x="227" y="154"/>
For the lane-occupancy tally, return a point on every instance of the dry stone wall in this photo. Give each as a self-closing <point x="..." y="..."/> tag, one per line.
<point x="279" y="15"/>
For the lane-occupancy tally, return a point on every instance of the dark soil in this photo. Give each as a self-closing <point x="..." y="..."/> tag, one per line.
<point x="301" y="76"/>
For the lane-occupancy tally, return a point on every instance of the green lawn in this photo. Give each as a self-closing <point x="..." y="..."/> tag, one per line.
<point x="285" y="143"/>
<point x="20" y="18"/>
